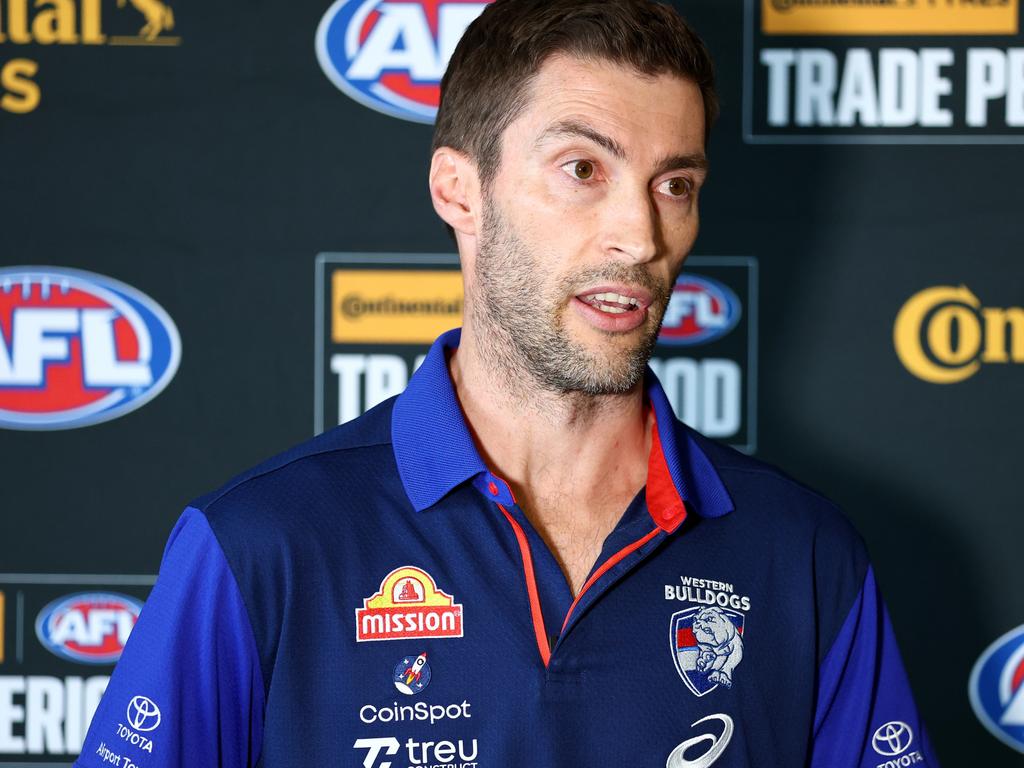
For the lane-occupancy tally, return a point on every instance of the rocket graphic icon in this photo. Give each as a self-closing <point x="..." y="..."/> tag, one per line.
<point x="411" y="675"/>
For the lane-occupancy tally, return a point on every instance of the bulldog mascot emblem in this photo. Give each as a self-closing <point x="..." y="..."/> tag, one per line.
<point x="707" y="646"/>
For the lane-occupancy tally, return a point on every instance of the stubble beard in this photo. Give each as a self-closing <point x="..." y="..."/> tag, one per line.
<point x="522" y="323"/>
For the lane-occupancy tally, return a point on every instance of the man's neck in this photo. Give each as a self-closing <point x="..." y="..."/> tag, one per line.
<point x="573" y="460"/>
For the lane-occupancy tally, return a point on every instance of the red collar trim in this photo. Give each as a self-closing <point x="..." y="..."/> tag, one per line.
<point x="666" y="506"/>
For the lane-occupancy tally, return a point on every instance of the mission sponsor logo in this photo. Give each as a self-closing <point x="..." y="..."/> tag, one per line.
<point x="408" y="606"/>
<point x="377" y="314"/>
<point x="996" y="689"/>
<point x="77" y="348"/>
<point x="25" y="24"/>
<point x="90" y="628"/>
<point x="835" y="72"/>
<point x="391" y="56"/>
<point x="943" y="334"/>
<point x="56" y="634"/>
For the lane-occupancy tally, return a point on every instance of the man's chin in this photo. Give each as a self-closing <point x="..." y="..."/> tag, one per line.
<point x="601" y="374"/>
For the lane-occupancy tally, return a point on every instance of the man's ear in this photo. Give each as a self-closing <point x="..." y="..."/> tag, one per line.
<point x="455" y="189"/>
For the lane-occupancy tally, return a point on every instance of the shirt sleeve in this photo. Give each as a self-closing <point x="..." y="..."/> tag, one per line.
<point x="865" y="715"/>
<point x="188" y="689"/>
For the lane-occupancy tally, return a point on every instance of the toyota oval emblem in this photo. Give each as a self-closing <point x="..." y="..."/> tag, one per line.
<point x="143" y="714"/>
<point x="892" y="739"/>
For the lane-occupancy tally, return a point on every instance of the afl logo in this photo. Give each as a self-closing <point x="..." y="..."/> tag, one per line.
<point x="78" y="348"/>
<point x="90" y="628"/>
<point x="390" y="56"/>
<point x="996" y="688"/>
<point x="700" y="310"/>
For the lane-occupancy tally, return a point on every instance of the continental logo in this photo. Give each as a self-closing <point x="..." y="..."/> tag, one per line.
<point x="889" y="17"/>
<point x="67" y="22"/>
<point x="408" y="606"/>
<point x="944" y="335"/>
<point x="394" y="306"/>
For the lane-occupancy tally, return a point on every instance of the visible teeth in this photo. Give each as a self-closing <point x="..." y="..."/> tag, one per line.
<point x="612" y="310"/>
<point x="614" y="298"/>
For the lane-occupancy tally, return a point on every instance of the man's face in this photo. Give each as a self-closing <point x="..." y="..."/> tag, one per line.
<point x="586" y="224"/>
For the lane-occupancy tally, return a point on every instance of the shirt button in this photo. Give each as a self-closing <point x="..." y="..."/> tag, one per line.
<point x="492" y="488"/>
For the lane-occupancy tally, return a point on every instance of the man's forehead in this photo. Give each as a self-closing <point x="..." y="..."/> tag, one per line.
<point x="613" y="105"/>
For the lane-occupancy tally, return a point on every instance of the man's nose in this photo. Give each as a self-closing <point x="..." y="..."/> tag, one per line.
<point x="631" y="223"/>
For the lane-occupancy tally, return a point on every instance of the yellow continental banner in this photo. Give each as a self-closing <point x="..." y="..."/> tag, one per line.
<point x="889" y="17"/>
<point x="394" y="306"/>
<point x="943" y="334"/>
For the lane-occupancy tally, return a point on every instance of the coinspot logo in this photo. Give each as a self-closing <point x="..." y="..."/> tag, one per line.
<point x="390" y="56"/>
<point x="996" y="688"/>
<point x="77" y="348"/>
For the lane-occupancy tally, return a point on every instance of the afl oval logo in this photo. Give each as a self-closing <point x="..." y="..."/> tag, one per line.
<point x="78" y="348"/>
<point x="700" y="310"/>
<point x="996" y="688"/>
<point x="390" y="56"/>
<point x="89" y="628"/>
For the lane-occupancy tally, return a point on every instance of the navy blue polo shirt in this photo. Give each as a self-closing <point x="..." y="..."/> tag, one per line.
<point x="376" y="597"/>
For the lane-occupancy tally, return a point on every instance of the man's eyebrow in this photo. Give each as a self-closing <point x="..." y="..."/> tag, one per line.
<point x="577" y="129"/>
<point x="696" y="161"/>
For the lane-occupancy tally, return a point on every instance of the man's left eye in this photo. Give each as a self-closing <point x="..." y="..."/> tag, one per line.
<point x="677" y="187"/>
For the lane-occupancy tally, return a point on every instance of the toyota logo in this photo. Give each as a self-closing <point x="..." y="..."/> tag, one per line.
<point x="892" y="738"/>
<point x="143" y="714"/>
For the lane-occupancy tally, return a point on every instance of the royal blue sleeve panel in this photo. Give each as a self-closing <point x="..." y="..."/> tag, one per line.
<point x="865" y="715"/>
<point x="188" y="690"/>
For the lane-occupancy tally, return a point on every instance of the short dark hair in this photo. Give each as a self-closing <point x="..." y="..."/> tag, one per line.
<point x="487" y="81"/>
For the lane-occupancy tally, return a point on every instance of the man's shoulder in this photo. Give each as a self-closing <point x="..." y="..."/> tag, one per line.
<point x="747" y="474"/>
<point x="358" y="451"/>
<point x="761" y="490"/>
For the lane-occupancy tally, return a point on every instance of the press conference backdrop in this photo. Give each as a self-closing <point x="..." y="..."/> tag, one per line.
<point x="216" y="239"/>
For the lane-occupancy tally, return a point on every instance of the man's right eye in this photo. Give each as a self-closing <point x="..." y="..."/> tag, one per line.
<point x="580" y="169"/>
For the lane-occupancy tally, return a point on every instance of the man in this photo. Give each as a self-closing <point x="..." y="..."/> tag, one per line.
<point x="524" y="559"/>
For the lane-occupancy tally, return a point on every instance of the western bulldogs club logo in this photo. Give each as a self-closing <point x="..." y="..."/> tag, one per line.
<point x="77" y="348"/>
<point x="390" y="56"/>
<point x="707" y="646"/>
<point x="997" y="688"/>
<point x="699" y="311"/>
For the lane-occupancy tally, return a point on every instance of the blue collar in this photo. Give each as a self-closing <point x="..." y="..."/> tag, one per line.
<point x="435" y="451"/>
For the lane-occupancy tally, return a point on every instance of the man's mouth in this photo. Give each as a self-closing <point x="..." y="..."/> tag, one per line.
<point x="612" y="303"/>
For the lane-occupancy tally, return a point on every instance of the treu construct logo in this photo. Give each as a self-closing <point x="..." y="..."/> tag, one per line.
<point x="391" y="56"/>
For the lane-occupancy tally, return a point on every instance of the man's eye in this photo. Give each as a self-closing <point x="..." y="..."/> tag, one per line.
<point x="580" y="169"/>
<point x="677" y="187"/>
